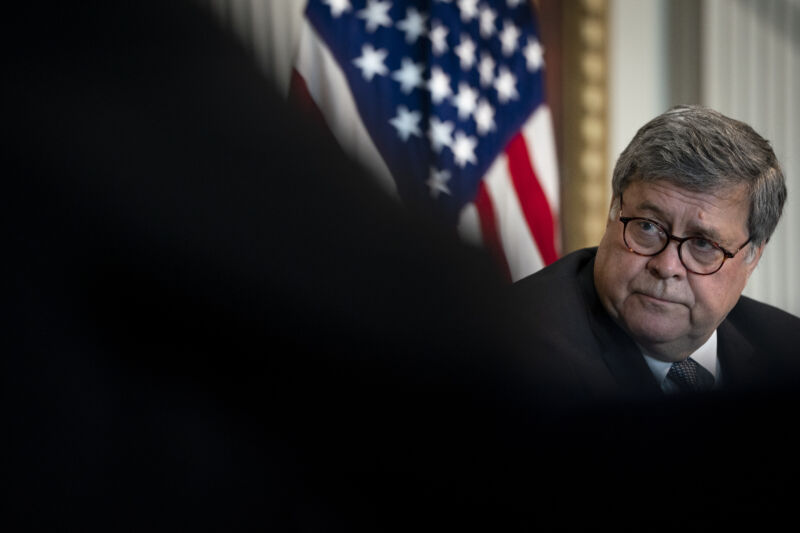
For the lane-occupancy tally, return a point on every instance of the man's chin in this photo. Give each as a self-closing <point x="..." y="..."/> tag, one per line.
<point x="658" y="340"/>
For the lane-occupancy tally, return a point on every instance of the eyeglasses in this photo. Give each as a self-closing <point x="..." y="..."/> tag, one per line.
<point x="647" y="237"/>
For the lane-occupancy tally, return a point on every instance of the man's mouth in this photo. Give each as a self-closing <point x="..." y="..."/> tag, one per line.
<point x="657" y="299"/>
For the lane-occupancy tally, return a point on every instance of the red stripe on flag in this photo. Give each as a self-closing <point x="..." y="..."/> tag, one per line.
<point x="532" y="199"/>
<point x="491" y="237"/>
<point x="300" y="98"/>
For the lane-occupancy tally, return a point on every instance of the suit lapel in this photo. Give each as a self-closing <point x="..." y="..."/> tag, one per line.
<point x="620" y="354"/>
<point x="738" y="357"/>
<point x="624" y="360"/>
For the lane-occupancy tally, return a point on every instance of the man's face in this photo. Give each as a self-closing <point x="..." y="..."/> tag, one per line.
<point x="667" y="310"/>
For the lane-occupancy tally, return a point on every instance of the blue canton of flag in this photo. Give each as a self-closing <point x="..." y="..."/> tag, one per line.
<point x="441" y="86"/>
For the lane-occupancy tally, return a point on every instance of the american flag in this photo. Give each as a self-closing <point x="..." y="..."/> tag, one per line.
<point x="443" y="101"/>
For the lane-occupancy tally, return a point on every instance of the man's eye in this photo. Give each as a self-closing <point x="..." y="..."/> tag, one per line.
<point x="702" y="245"/>
<point x="648" y="227"/>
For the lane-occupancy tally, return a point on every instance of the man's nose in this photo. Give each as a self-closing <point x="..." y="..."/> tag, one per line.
<point x="668" y="263"/>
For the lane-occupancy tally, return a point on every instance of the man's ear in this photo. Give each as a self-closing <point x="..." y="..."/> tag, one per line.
<point x="613" y="211"/>
<point x="753" y="262"/>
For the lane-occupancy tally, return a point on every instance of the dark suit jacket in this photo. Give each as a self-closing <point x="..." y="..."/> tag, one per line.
<point x="586" y="353"/>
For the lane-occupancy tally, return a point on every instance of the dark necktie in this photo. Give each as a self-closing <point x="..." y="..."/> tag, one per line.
<point x="690" y="376"/>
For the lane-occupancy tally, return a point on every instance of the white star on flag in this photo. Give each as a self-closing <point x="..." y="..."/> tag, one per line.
<point x="406" y="122"/>
<point x="371" y="62"/>
<point x="439" y="85"/>
<point x="442" y="101"/>
<point x="487" y="18"/>
<point x="506" y="86"/>
<point x="469" y="9"/>
<point x="466" y="52"/>
<point x="484" y="117"/>
<point x="508" y="37"/>
<point x="376" y="14"/>
<point x="338" y="6"/>
<point x="440" y="134"/>
<point x="534" y="55"/>
<point x="437" y="182"/>
<point x="465" y="101"/>
<point x="413" y="25"/>
<point x="486" y="69"/>
<point x="464" y="149"/>
<point x="438" y="37"/>
<point x="409" y="75"/>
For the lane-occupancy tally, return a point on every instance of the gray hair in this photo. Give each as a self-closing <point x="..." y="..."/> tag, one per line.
<point x="701" y="150"/>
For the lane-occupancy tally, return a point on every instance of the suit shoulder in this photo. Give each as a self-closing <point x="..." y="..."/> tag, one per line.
<point x="752" y="314"/>
<point x="773" y="331"/>
<point x="558" y="290"/>
<point x="566" y="268"/>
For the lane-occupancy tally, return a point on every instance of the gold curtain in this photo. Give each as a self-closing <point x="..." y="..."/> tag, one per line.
<point x="575" y="37"/>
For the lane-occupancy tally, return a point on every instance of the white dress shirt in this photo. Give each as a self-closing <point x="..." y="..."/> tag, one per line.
<point x="706" y="356"/>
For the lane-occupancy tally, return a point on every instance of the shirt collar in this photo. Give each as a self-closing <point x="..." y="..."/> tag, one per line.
<point x="706" y="356"/>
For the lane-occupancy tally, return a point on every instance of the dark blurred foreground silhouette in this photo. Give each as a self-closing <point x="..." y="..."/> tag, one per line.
<point x="213" y="321"/>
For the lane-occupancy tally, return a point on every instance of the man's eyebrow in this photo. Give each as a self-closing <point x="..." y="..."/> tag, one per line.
<point x="647" y="206"/>
<point x="697" y="229"/>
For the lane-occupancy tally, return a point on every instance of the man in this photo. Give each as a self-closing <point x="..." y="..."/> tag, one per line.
<point x="657" y="307"/>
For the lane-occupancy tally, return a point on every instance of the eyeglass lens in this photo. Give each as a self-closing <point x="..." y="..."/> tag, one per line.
<point x="697" y="254"/>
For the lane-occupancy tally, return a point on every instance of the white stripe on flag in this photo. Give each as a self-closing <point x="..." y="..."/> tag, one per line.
<point x="519" y="247"/>
<point x="469" y="225"/>
<point x="328" y="87"/>
<point x="538" y="133"/>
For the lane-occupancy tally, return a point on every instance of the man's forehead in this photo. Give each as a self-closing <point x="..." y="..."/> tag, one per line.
<point x="664" y="192"/>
